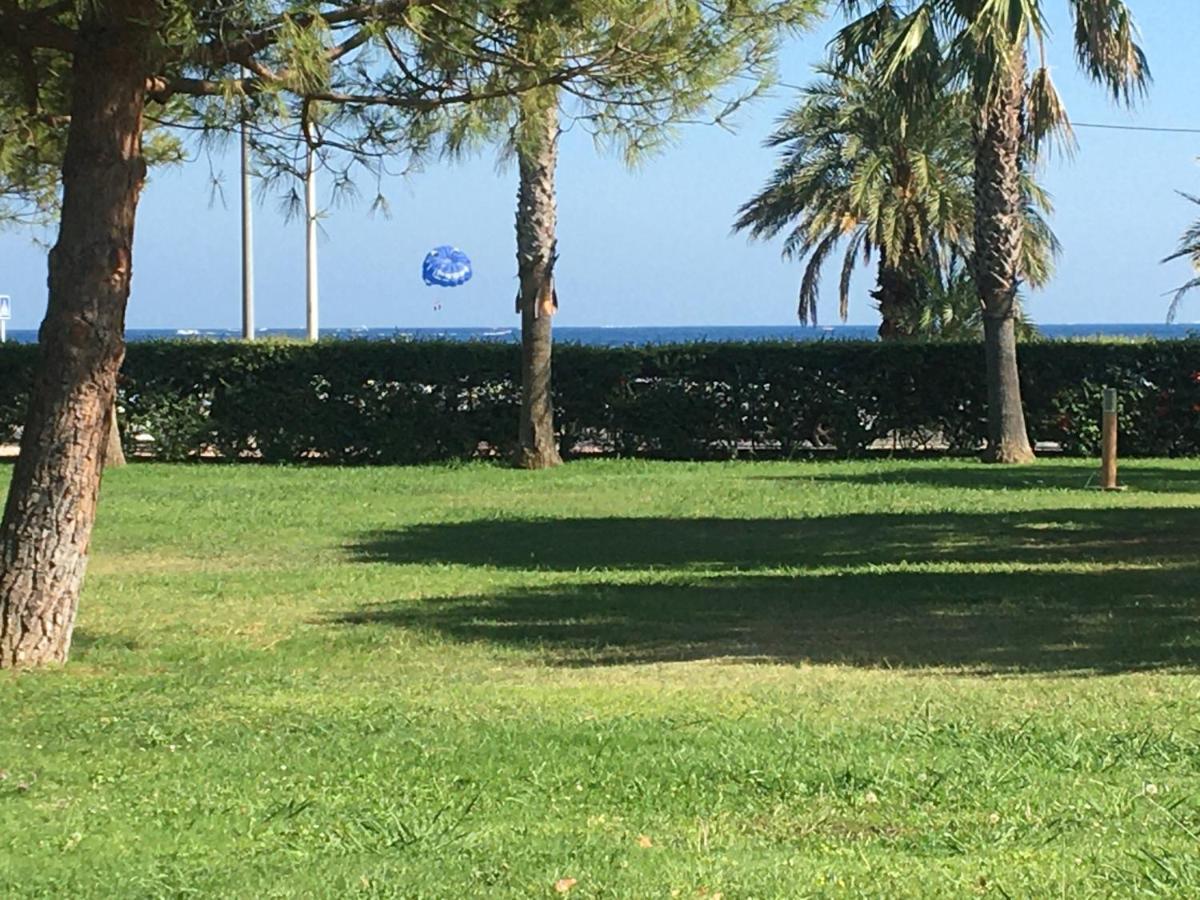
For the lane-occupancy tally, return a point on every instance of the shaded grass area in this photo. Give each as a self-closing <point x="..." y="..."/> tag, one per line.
<point x="1013" y="623"/>
<point x="906" y="679"/>
<point x="1145" y="476"/>
<point x="985" y="591"/>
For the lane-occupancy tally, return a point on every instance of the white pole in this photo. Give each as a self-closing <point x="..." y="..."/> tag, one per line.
<point x="247" y="238"/>
<point x="3" y="331"/>
<point x="310" y="209"/>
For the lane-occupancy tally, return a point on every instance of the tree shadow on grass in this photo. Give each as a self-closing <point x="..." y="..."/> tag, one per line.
<point x="1106" y="536"/>
<point x="1100" y="591"/>
<point x="1139" y="478"/>
<point x="1119" y="621"/>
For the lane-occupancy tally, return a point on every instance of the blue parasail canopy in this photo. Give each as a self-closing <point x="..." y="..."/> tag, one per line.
<point x="446" y="266"/>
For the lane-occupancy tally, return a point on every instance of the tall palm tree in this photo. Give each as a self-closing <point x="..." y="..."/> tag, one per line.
<point x="1189" y="249"/>
<point x="989" y="44"/>
<point x="863" y="171"/>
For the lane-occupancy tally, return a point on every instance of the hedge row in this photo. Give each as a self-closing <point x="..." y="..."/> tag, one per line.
<point x="384" y="402"/>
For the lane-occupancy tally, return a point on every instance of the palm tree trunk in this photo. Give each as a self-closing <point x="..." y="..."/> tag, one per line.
<point x="896" y="295"/>
<point x="51" y="504"/>
<point x="998" y="229"/>
<point x="897" y="291"/>
<point x="537" y="154"/>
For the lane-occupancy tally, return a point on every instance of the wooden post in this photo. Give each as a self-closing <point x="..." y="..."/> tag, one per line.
<point x="1108" y="454"/>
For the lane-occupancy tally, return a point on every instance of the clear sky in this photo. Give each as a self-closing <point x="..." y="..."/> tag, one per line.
<point x="653" y="246"/>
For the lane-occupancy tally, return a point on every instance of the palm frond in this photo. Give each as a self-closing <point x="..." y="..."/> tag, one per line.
<point x="1046" y="116"/>
<point x="1107" y="49"/>
<point x="1189" y="249"/>
<point x="806" y="308"/>
<point x="848" y="264"/>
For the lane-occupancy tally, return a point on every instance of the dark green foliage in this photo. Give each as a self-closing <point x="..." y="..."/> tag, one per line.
<point x="381" y="402"/>
<point x="1159" y="384"/>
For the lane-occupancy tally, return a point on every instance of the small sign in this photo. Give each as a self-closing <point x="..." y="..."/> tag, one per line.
<point x="5" y="306"/>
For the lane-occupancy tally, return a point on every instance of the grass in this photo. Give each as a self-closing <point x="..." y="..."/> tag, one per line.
<point x="901" y="679"/>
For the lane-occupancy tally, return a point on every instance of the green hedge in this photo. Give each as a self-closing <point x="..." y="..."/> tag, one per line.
<point x="383" y="402"/>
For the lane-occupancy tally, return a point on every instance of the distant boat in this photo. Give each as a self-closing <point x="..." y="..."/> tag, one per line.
<point x="187" y="332"/>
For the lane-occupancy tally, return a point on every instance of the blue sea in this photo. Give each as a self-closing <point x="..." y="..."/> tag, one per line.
<point x="641" y="335"/>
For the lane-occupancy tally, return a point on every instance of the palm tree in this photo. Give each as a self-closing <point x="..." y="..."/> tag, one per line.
<point x="988" y="44"/>
<point x="852" y="176"/>
<point x="862" y="171"/>
<point x="1189" y="248"/>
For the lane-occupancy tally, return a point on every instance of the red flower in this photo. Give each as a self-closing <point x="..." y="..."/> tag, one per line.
<point x="1196" y="378"/>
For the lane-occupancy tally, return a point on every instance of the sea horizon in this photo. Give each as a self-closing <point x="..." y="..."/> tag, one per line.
<point x="636" y="335"/>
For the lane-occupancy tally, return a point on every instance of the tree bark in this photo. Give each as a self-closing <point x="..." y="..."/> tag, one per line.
<point x="998" y="229"/>
<point x="114" y="453"/>
<point x="897" y="297"/>
<point x="51" y="503"/>
<point x="537" y="155"/>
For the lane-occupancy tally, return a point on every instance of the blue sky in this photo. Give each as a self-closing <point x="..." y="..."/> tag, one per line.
<point x="653" y="246"/>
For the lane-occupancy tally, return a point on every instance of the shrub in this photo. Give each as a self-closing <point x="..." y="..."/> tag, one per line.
<point x="408" y="402"/>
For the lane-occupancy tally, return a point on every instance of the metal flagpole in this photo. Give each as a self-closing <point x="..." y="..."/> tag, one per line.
<point x="312" y="292"/>
<point x="247" y="234"/>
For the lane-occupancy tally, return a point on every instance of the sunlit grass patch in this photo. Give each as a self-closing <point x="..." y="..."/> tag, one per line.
<point x="760" y="680"/>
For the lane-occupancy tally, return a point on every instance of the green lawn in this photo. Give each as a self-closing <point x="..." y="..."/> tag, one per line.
<point x="893" y="679"/>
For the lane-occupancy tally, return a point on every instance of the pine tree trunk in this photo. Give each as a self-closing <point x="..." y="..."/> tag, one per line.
<point x="537" y="154"/>
<point x="52" y="497"/>
<point x="998" y="228"/>
<point x="114" y="453"/>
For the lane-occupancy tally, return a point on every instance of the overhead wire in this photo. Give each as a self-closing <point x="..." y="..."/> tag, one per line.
<point x="1098" y="125"/>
